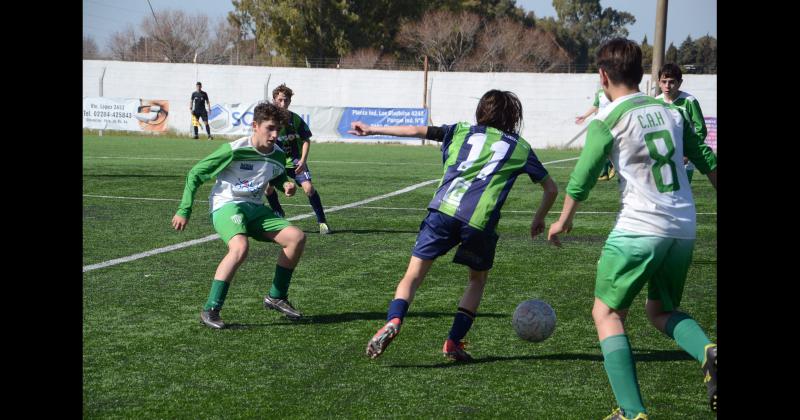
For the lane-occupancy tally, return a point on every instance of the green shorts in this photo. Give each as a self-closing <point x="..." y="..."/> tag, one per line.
<point x="246" y="218"/>
<point x="629" y="260"/>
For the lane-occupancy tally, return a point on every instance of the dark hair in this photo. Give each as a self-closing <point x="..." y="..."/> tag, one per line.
<point x="269" y="111"/>
<point x="199" y="84"/>
<point x="501" y="110"/>
<point x="282" y="89"/>
<point x="671" y="70"/>
<point x="622" y="59"/>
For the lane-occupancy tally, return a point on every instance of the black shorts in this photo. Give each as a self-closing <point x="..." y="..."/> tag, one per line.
<point x="201" y="115"/>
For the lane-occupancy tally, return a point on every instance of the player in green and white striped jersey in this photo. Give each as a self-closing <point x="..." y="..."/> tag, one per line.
<point x="600" y="101"/>
<point x="481" y="163"/>
<point x="653" y="239"/>
<point x="670" y="79"/>
<point x="243" y="169"/>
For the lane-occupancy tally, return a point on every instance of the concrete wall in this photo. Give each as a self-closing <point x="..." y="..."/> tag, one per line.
<point x="550" y="101"/>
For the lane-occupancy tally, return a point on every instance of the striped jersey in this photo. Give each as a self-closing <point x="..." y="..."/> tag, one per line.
<point x="242" y="175"/>
<point x="646" y="140"/>
<point x="480" y="166"/>
<point x="291" y="138"/>
<point x="600" y="99"/>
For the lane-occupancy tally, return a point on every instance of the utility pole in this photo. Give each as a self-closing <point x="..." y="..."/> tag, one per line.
<point x="658" y="45"/>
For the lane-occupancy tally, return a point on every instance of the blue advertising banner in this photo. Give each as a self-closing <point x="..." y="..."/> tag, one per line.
<point x="381" y="117"/>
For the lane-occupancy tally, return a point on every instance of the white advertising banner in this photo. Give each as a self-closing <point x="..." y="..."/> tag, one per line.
<point x="237" y="119"/>
<point x="129" y="114"/>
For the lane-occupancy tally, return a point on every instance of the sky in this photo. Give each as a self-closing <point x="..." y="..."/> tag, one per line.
<point x="695" y="18"/>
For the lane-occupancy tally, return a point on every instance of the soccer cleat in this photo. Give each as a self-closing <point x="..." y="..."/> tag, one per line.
<point x="611" y="172"/>
<point x="324" y="229"/>
<point x="710" y="375"/>
<point x="211" y="318"/>
<point x="456" y="352"/>
<point x="378" y="343"/>
<point x="282" y="305"/>
<point x="603" y="177"/>
<point x="618" y="414"/>
<point x="195" y="137"/>
<point x="210" y="137"/>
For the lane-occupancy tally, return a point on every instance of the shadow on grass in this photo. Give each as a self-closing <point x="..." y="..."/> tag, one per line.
<point x="348" y="317"/>
<point x="638" y="356"/>
<point x="362" y="231"/>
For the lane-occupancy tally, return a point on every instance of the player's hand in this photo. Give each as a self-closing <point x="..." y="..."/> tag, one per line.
<point x="299" y="167"/>
<point x="179" y="222"/>
<point x="555" y="229"/>
<point x="289" y="188"/>
<point x="359" y="128"/>
<point x="580" y="120"/>
<point x="537" y="227"/>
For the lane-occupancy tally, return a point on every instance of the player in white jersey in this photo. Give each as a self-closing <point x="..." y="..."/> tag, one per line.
<point x="243" y="169"/>
<point x="654" y="236"/>
<point x="600" y="101"/>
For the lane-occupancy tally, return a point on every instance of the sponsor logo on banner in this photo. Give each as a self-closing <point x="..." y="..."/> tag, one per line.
<point x="381" y="117"/>
<point x="128" y="114"/>
<point x="711" y="136"/>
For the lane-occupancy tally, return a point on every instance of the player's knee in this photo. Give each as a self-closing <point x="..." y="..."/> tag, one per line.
<point x="238" y="249"/>
<point x="309" y="189"/>
<point x="297" y="238"/>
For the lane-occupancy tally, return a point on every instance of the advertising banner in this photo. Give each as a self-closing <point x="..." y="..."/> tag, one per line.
<point x="711" y="137"/>
<point x="128" y="114"/>
<point x="381" y="117"/>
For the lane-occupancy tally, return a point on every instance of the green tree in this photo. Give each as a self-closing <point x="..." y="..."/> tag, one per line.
<point x="672" y="54"/>
<point x="687" y="52"/>
<point x="706" y="60"/>
<point x="647" y="55"/>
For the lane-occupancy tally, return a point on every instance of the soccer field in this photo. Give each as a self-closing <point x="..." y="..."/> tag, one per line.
<point x="146" y="355"/>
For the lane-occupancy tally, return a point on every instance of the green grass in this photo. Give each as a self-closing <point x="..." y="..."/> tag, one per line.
<point x="145" y="354"/>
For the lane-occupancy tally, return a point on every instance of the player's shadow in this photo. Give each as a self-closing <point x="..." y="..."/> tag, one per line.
<point x="363" y="231"/>
<point x="644" y="355"/>
<point x="132" y="176"/>
<point x="349" y="317"/>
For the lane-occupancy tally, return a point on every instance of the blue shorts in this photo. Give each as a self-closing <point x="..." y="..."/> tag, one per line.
<point x="439" y="233"/>
<point x="301" y="177"/>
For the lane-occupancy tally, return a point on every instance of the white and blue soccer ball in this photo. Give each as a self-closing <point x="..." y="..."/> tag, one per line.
<point x="534" y="320"/>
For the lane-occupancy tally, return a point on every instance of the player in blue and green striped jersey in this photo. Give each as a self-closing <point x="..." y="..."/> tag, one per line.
<point x="481" y="163"/>
<point x="653" y="239"/>
<point x="243" y="169"/>
<point x="295" y="139"/>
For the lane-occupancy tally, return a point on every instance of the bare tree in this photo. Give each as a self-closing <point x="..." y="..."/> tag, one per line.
<point x="447" y="38"/>
<point x="121" y="44"/>
<point x="177" y="36"/>
<point x="90" y="48"/>
<point x="223" y="48"/>
<point x="365" y="58"/>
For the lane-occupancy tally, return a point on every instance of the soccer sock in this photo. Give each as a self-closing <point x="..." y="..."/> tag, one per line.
<point x="280" y="283"/>
<point x="216" y="297"/>
<point x="272" y="199"/>
<point x="397" y="309"/>
<point x="208" y="129"/>
<point x="689" y="174"/>
<point x="195" y="131"/>
<point x="461" y="324"/>
<point x="618" y="361"/>
<point x="316" y="204"/>
<point x="685" y="331"/>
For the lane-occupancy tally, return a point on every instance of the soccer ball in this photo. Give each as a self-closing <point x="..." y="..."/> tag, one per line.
<point x="534" y="320"/>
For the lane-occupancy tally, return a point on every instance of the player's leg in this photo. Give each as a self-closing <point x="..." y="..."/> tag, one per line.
<point x="664" y="297"/>
<point x="476" y="251"/>
<point x="204" y="117"/>
<point x="230" y="223"/>
<point x="625" y="265"/>
<point x="195" y="124"/>
<point x="435" y="238"/>
<point x="292" y="241"/>
<point x="304" y="179"/>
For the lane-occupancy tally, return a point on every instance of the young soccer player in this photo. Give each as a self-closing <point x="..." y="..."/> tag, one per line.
<point x="600" y="101"/>
<point x="295" y="139"/>
<point x="653" y="239"/>
<point x="481" y="164"/>
<point x="670" y="79"/>
<point x="243" y="168"/>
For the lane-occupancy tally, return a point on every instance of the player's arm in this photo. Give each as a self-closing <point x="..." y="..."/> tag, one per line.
<point x="592" y="110"/>
<point x="191" y="100"/>
<point x="538" y="174"/>
<point x="282" y="182"/>
<point x="305" y="137"/>
<point x="208" y="102"/>
<point x="204" y="170"/>
<point x="699" y="153"/>
<point x="362" y="129"/>
<point x="699" y="122"/>
<point x="599" y="142"/>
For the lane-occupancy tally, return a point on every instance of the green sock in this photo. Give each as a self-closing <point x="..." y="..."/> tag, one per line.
<point x="280" y="283"/>
<point x="685" y="331"/>
<point x="216" y="297"/>
<point x="622" y="374"/>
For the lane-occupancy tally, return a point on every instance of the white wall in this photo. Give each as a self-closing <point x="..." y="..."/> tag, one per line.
<point x="550" y="101"/>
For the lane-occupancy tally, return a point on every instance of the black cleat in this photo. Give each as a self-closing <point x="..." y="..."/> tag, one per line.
<point x="211" y="318"/>
<point x="282" y="305"/>
<point x="710" y="375"/>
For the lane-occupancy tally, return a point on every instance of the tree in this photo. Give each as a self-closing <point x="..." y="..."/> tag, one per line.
<point x="647" y="54"/>
<point x="89" y="48"/>
<point x="706" y="60"/>
<point x="672" y="54"/>
<point x="687" y="53"/>
<point x="506" y="45"/>
<point x="447" y="38"/>
<point x="178" y="37"/>
<point x="121" y="44"/>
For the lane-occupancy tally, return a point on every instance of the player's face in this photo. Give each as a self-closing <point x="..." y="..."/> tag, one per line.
<point x="669" y="85"/>
<point x="265" y="133"/>
<point x="282" y="101"/>
<point x="199" y="88"/>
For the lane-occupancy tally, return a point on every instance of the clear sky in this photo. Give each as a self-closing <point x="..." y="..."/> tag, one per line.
<point x="101" y="18"/>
